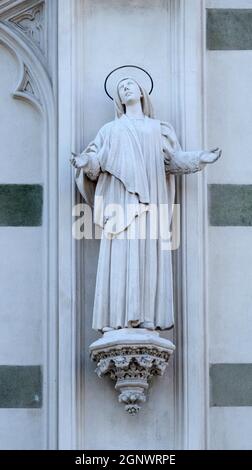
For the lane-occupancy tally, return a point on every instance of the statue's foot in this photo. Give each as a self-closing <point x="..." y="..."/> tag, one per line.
<point x="106" y="329"/>
<point x="148" y="325"/>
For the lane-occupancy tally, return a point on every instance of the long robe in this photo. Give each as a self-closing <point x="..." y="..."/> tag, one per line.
<point x="132" y="163"/>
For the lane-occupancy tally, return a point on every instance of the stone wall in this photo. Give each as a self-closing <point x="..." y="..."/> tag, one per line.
<point x="228" y="124"/>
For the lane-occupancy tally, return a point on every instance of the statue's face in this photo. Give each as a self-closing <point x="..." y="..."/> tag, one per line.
<point x="129" y="91"/>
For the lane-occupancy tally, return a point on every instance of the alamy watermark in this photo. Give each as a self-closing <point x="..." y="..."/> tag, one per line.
<point x="131" y="222"/>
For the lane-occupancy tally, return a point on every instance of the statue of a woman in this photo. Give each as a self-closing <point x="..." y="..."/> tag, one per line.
<point x="132" y="163"/>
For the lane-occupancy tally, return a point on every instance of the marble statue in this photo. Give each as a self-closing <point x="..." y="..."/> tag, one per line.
<point x="131" y="163"/>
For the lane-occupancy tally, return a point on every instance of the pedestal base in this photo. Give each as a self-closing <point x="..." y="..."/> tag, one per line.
<point x="131" y="356"/>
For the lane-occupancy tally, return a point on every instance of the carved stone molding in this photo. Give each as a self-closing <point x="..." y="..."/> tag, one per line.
<point x="29" y="19"/>
<point x="34" y="22"/>
<point x="31" y="23"/>
<point x="27" y="88"/>
<point x="6" y="5"/>
<point x="131" y="357"/>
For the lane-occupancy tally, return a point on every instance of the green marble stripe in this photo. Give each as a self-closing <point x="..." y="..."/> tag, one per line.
<point x="229" y="29"/>
<point x="21" y="205"/>
<point x="20" y="387"/>
<point x="230" y="204"/>
<point x="231" y="385"/>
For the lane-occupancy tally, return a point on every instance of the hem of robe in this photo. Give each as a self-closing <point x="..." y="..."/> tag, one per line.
<point x="144" y="199"/>
<point x="87" y="186"/>
<point x="130" y="325"/>
<point x="87" y="189"/>
<point x="112" y="234"/>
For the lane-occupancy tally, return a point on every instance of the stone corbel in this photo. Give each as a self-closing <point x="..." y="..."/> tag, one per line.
<point x="131" y="357"/>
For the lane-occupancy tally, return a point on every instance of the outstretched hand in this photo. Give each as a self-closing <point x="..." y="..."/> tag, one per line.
<point x="211" y="156"/>
<point x="76" y="161"/>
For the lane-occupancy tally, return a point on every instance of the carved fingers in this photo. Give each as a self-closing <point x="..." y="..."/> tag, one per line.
<point x="211" y="156"/>
<point x="76" y="161"/>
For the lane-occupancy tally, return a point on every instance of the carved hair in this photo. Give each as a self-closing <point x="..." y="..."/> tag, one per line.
<point x="120" y="108"/>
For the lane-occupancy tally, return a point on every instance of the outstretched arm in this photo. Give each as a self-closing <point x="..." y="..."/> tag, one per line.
<point x="181" y="162"/>
<point x="88" y="161"/>
<point x="87" y="167"/>
<point x="178" y="161"/>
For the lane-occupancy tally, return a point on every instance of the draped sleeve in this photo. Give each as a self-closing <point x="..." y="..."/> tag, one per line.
<point x="176" y="160"/>
<point x="86" y="176"/>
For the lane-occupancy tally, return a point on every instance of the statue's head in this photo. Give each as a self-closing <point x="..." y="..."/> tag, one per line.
<point x="129" y="91"/>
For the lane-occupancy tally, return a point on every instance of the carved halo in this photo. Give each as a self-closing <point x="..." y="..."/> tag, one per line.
<point x="141" y="75"/>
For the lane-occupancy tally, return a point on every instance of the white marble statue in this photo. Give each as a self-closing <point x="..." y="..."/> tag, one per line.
<point x="132" y="163"/>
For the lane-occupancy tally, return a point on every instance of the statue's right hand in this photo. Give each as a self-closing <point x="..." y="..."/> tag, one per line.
<point x="77" y="161"/>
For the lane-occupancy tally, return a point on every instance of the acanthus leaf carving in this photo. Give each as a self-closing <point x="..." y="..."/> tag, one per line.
<point x="131" y="359"/>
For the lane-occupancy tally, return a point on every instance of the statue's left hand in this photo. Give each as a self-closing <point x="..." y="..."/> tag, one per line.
<point x="211" y="156"/>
